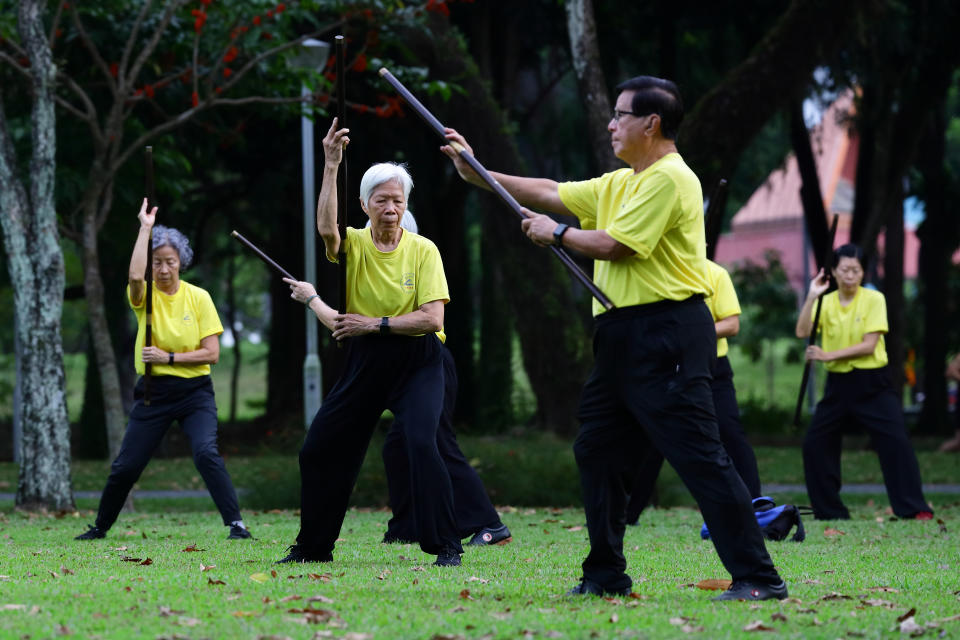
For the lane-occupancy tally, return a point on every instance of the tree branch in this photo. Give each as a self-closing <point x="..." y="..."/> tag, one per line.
<point x="128" y="45"/>
<point x="54" y="24"/>
<point x="92" y="49"/>
<point x="151" y="45"/>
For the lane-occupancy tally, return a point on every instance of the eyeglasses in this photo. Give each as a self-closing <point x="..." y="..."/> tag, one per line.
<point x="617" y="114"/>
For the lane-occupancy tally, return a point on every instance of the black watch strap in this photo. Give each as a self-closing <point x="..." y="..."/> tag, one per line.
<point x="384" y="326"/>
<point x="558" y="234"/>
<point x="171" y="357"/>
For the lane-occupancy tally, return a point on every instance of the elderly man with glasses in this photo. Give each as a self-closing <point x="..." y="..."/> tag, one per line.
<point x="650" y="385"/>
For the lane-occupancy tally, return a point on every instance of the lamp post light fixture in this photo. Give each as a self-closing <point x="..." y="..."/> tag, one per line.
<point x="312" y="55"/>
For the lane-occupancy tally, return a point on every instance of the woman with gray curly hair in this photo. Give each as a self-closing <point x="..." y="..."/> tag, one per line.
<point x="185" y="330"/>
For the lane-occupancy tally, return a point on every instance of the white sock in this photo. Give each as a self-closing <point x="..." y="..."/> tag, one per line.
<point x="238" y="523"/>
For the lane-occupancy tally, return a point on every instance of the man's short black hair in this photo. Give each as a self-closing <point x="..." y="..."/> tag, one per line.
<point x="848" y="250"/>
<point x="659" y="96"/>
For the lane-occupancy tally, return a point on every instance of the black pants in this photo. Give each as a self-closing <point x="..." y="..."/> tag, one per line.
<point x="650" y="388"/>
<point x="732" y="436"/>
<point x="400" y="373"/>
<point x="190" y="401"/>
<point x="472" y="506"/>
<point x="863" y="397"/>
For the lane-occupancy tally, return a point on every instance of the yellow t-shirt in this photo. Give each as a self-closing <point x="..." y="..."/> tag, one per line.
<point x="842" y="327"/>
<point x="180" y="321"/>
<point x="395" y="282"/>
<point x="659" y="214"/>
<point x="723" y="303"/>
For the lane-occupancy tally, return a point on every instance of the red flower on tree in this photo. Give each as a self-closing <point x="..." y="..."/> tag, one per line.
<point x="231" y="54"/>
<point x="439" y="6"/>
<point x="148" y="89"/>
<point x="194" y="99"/>
<point x="227" y="72"/>
<point x="360" y="64"/>
<point x="114" y="69"/>
<point x="256" y="20"/>
<point x="281" y="8"/>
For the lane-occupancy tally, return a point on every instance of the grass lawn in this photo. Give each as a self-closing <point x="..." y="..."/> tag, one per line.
<point x="174" y="575"/>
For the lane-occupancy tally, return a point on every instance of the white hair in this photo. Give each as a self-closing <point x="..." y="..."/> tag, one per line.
<point x="382" y="173"/>
<point x="407" y="222"/>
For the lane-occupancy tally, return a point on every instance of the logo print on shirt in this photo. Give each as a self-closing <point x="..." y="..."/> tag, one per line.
<point x="407" y="281"/>
<point x="187" y="319"/>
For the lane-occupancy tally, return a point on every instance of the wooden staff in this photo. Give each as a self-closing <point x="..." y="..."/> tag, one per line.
<point x="497" y="188"/>
<point x="148" y="329"/>
<point x="825" y="265"/>
<point x="341" y="53"/>
<point x="262" y="255"/>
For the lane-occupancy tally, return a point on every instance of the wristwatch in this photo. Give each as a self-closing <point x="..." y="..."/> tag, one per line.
<point x="384" y="326"/>
<point x="558" y="234"/>
<point x="171" y="358"/>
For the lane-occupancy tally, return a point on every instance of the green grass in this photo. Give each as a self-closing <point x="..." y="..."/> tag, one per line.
<point x="853" y="584"/>
<point x="535" y="469"/>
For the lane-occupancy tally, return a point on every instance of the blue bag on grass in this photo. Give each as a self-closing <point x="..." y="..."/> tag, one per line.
<point x="775" y="522"/>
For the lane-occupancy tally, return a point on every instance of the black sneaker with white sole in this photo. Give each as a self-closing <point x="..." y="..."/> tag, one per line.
<point x="746" y="590"/>
<point x="239" y="533"/>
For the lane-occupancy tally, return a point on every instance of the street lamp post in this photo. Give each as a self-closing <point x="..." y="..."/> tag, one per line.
<point x="313" y="55"/>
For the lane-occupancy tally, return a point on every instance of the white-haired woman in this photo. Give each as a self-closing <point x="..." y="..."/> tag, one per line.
<point x="185" y="332"/>
<point x="396" y="291"/>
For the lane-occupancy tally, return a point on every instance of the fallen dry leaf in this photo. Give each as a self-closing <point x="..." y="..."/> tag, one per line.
<point x="259" y="577"/>
<point x="833" y="595"/>
<point x="476" y="579"/>
<point x="66" y="571"/>
<point x="192" y="549"/>
<point x="908" y="614"/>
<point x="212" y="581"/>
<point x="146" y="562"/>
<point x="207" y="567"/>
<point x="830" y="531"/>
<point x="778" y="617"/>
<point x="883" y="588"/>
<point x="243" y="614"/>
<point x="758" y="625"/>
<point x="714" y="584"/>
<point x="465" y="594"/>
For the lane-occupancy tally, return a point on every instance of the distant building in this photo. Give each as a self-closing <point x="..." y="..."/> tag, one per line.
<point x="773" y="216"/>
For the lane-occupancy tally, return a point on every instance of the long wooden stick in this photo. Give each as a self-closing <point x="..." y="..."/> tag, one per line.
<point x="148" y="329"/>
<point x="497" y="188"/>
<point x="341" y="53"/>
<point x="825" y="265"/>
<point x="260" y="254"/>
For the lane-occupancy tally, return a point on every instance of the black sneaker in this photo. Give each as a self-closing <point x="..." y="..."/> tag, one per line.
<point x="588" y="587"/>
<point x="93" y="533"/>
<point x="447" y="558"/>
<point x="491" y="535"/>
<point x="238" y="533"/>
<point x="298" y="554"/>
<point x="747" y="590"/>
<point x="392" y="539"/>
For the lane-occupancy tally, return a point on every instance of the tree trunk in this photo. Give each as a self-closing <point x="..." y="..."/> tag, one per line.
<point x="35" y="264"/>
<point x="235" y="332"/>
<point x="582" y="29"/>
<point x="100" y="332"/>
<point x="938" y="238"/>
<point x="893" y="290"/>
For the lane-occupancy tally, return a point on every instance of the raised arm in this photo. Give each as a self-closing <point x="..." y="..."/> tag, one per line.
<point x="138" y="260"/>
<point x="818" y="286"/>
<point x="333" y="144"/>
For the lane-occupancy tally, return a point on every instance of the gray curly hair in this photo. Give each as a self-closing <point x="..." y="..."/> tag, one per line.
<point x="166" y="236"/>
